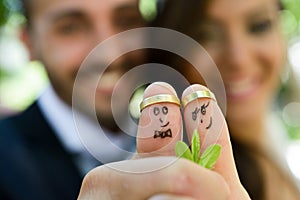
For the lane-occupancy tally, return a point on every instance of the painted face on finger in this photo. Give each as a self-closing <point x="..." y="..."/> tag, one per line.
<point x="160" y="127"/>
<point x="201" y="115"/>
<point x="198" y="115"/>
<point x="161" y="116"/>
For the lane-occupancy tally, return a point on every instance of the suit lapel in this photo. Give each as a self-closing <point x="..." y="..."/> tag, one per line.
<point x="54" y="167"/>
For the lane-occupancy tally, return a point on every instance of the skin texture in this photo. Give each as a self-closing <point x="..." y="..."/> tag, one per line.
<point x="62" y="33"/>
<point x="180" y="179"/>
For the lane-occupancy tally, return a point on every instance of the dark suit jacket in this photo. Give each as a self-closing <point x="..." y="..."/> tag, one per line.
<point x="33" y="163"/>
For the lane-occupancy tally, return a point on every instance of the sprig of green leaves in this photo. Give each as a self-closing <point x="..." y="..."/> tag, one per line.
<point x="207" y="159"/>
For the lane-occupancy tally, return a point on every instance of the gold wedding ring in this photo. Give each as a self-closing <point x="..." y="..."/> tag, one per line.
<point x="166" y="98"/>
<point x="196" y="95"/>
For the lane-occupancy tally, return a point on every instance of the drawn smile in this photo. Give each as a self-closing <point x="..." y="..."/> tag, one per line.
<point x="210" y="123"/>
<point x="165" y="124"/>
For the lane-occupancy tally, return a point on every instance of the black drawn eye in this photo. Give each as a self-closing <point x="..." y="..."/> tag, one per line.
<point x="195" y="113"/>
<point x="164" y="110"/>
<point x="156" y="111"/>
<point x="203" y="108"/>
<point x="194" y="116"/>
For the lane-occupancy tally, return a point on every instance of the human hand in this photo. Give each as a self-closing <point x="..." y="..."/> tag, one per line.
<point x="157" y="174"/>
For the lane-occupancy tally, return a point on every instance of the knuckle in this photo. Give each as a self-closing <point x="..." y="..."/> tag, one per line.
<point x="182" y="179"/>
<point x="93" y="183"/>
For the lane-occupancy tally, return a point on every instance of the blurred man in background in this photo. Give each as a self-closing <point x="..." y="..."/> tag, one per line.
<point x="41" y="154"/>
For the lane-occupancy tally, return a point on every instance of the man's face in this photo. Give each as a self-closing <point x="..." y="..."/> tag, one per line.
<point x="63" y="32"/>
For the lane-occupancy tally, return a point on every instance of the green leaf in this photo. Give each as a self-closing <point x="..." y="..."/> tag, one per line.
<point x="195" y="146"/>
<point x="210" y="156"/>
<point x="208" y="159"/>
<point x="183" y="150"/>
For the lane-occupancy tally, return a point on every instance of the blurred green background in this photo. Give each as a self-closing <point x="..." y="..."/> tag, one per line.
<point x="21" y="80"/>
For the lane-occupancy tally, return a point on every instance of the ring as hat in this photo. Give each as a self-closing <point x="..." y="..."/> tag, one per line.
<point x="160" y="98"/>
<point x="196" y="95"/>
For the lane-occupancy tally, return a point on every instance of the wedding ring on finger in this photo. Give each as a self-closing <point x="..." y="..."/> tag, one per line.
<point x="197" y="95"/>
<point x="160" y="98"/>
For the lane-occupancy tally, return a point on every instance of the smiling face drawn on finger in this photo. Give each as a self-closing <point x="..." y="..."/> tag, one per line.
<point x="202" y="110"/>
<point x="161" y="115"/>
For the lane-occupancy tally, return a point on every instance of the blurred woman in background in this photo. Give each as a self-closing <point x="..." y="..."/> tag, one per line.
<point x="245" y="40"/>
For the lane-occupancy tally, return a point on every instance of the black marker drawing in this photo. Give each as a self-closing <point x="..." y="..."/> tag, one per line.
<point x="163" y="134"/>
<point x="156" y="111"/>
<point x="203" y="108"/>
<point x="165" y="124"/>
<point x="164" y="110"/>
<point x="168" y="132"/>
<point x="203" y="112"/>
<point x="210" y="123"/>
<point x="195" y="113"/>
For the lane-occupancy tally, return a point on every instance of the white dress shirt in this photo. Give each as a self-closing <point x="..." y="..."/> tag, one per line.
<point x="106" y="148"/>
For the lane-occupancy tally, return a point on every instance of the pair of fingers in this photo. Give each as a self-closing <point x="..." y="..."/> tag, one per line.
<point x="161" y="126"/>
<point x="160" y="175"/>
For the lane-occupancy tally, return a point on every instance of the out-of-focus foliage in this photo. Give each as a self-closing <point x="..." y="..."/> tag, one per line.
<point x="8" y="7"/>
<point x="291" y="27"/>
<point x="291" y="17"/>
<point x="3" y="13"/>
<point x="20" y="81"/>
<point x="148" y="9"/>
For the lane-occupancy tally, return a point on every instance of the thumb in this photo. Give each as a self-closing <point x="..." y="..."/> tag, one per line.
<point x="201" y="112"/>
<point x="160" y="124"/>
